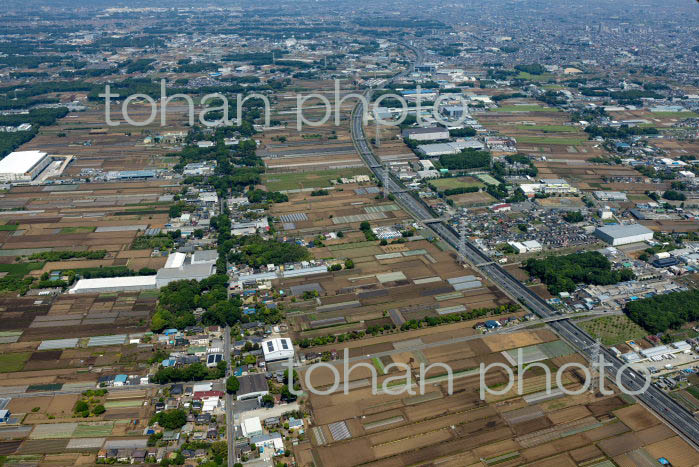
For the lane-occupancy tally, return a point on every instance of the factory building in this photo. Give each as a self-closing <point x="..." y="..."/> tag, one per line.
<point x="426" y="134"/>
<point x="113" y="284"/>
<point x="23" y="166"/>
<point x="277" y="349"/>
<point x="624" y="234"/>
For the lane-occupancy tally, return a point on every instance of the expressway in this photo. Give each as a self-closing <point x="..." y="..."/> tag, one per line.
<point x="674" y="414"/>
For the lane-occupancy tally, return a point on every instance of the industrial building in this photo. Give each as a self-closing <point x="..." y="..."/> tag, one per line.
<point x="185" y="272"/>
<point x="277" y="349"/>
<point x="426" y="134"/>
<point x="455" y="147"/>
<point x="23" y="166"/>
<point x="610" y="196"/>
<point x="624" y="234"/>
<point x="252" y="386"/>
<point x="113" y="284"/>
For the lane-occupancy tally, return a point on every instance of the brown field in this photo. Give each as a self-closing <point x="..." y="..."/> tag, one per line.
<point x="636" y="417"/>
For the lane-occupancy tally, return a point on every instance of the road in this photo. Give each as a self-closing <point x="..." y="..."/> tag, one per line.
<point x="674" y="414"/>
<point x="230" y="420"/>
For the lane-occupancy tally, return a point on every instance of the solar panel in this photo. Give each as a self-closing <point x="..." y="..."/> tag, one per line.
<point x="285" y="346"/>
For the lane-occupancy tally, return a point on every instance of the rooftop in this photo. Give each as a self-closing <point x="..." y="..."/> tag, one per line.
<point x="20" y="162"/>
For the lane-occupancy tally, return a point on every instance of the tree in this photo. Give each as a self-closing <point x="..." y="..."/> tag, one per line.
<point x="99" y="409"/>
<point x="81" y="406"/>
<point x="573" y="216"/>
<point x="232" y="384"/>
<point x="349" y="264"/>
<point x="267" y="400"/>
<point x="170" y="419"/>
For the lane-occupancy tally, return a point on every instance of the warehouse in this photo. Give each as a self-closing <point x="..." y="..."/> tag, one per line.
<point x="426" y="134"/>
<point x="624" y="234"/>
<point x="185" y="272"/>
<point x="277" y="349"/>
<point x="23" y="166"/>
<point x="252" y="386"/>
<point x="113" y="284"/>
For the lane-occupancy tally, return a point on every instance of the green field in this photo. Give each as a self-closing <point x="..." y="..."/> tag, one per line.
<point x="10" y="362"/>
<point x="455" y="182"/>
<point x="614" y="330"/>
<point x="93" y="430"/>
<point x="72" y="230"/>
<point x="566" y="141"/>
<point x="680" y="115"/>
<point x="20" y="269"/>
<point x="525" y="108"/>
<point x="378" y="364"/>
<point x="317" y="179"/>
<point x="530" y="77"/>
<point x="8" y="227"/>
<point x="549" y="128"/>
<point x="122" y="404"/>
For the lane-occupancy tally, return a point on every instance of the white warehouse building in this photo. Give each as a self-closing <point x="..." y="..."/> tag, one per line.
<point x="277" y="349"/>
<point x="23" y="166"/>
<point x="113" y="284"/>
<point x="624" y="234"/>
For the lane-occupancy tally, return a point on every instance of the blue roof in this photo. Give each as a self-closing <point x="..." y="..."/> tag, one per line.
<point x="120" y="378"/>
<point x="167" y="332"/>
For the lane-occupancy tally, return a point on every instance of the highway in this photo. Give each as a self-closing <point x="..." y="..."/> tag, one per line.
<point x="674" y="414"/>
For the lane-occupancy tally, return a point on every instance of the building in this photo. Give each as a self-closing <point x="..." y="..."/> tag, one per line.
<point x="114" y="284"/>
<point x="426" y="134"/>
<point x="610" y="196"/>
<point x="204" y="256"/>
<point x="454" y="147"/>
<point x="624" y="234"/>
<point x="184" y="272"/>
<point x="251" y="427"/>
<point x="23" y="166"/>
<point x="252" y="386"/>
<point x="277" y="349"/>
<point x="666" y="262"/>
<point x="272" y="440"/>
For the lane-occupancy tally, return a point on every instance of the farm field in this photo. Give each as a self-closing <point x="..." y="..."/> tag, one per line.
<point x="314" y="179"/>
<point x="456" y="182"/>
<point x="614" y="330"/>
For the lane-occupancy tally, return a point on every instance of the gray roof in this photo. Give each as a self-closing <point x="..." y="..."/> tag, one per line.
<point x="252" y="383"/>
<point x="620" y="231"/>
<point x="417" y="131"/>
<point x="205" y="256"/>
<point x="188" y="271"/>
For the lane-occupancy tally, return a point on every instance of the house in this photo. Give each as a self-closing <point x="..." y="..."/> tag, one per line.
<point x="272" y="440"/>
<point x="4" y="416"/>
<point x="213" y="359"/>
<point x="176" y="389"/>
<point x="138" y="456"/>
<point x="295" y="423"/>
<point x="271" y="422"/>
<point x="492" y="324"/>
<point x="120" y="380"/>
